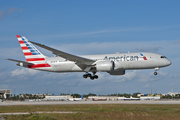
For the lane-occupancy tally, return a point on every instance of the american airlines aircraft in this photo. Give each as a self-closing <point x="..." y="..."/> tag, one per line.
<point x="114" y="64"/>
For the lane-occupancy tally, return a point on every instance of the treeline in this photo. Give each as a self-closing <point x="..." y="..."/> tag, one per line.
<point x="22" y="97"/>
<point x="177" y="96"/>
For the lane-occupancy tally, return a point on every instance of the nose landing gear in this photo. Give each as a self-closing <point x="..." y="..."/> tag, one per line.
<point x="156" y="69"/>
<point x="92" y="77"/>
<point x="155" y="73"/>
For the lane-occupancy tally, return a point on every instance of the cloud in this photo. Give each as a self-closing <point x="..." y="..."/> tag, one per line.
<point x="176" y="42"/>
<point x="24" y="72"/>
<point x="4" y="86"/>
<point x="149" y="77"/>
<point x="10" y="52"/>
<point x="135" y="75"/>
<point x="89" y="33"/>
<point x="67" y="79"/>
<point x="175" y="75"/>
<point x="104" y="48"/>
<point x="107" y="31"/>
<point x="147" y="49"/>
<point x="8" y="12"/>
<point x="146" y="85"/>
<point x="98" y="48"/>
<point x="113" y="47"/>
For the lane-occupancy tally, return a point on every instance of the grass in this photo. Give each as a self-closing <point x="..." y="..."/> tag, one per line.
<point x="96" y="111"/>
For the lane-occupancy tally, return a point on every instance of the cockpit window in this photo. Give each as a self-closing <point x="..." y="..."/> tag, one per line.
<point x="163" y="57"/>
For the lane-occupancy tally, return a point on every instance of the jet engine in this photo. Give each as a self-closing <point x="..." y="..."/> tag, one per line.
<point x="104" y="66"/>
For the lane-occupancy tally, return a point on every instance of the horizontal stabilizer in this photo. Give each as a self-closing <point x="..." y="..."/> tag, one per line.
<point x="20" y="61"/>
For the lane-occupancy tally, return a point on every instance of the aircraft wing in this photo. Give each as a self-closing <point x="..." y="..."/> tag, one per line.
<point x="80" y="61"/>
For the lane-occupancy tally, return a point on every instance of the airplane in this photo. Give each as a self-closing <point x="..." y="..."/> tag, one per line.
<point x="121" y="98"/>
<point x="114" y="64"/>
<point x="131" y="98"/>
<point x="76" y="99"/>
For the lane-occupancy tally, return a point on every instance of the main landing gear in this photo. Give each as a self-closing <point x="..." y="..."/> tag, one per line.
<point x="156" y="69"/>
<point x="92" y="77"/>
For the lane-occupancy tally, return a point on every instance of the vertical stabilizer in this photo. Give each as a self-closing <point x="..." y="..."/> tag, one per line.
<point x="81" y="97"/>
<point x="31" y="53"/>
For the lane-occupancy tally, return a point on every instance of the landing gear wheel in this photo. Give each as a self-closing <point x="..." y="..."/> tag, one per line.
<point x="92" y="77"/>
<point x="89" y="75"/>
<point x="85" y="76"/>
<point x="95" y="76"/>
<point x="155" y="73"/>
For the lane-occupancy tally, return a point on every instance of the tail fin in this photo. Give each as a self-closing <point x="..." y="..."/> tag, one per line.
<point x="31" y="53"/>
<point x="81" y="97"/>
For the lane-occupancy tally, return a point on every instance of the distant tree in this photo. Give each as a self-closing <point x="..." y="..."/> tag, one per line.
<point x="112" y="95"/>
<point x="135" y="94"/>
<point x="17" y="97"/>
<point x="120" y="95"/>
<point x="126" y="95"/>
<point x="76" y="95"/>
<point x="177" y="96"/>
<point x="92" y="94"/>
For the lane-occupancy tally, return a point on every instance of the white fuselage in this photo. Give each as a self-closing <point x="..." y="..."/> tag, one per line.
<point x="122" y="61"/>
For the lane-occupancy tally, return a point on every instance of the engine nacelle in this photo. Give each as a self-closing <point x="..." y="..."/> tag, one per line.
<point x="104" y="66"/>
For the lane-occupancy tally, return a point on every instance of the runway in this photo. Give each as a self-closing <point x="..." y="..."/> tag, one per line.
<point x="7" y="103"/>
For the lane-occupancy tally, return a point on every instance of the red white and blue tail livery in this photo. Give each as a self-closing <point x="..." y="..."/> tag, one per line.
<point x="31" y="53"/>
<point x="114" y="64"/>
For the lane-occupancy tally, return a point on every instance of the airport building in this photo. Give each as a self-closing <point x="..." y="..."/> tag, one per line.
<point x="5" y="93"/>
<point x="172" y="94"/>
<point x="63" y="97"/>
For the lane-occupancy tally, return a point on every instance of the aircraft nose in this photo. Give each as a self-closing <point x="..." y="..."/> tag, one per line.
<point x="168" y="62"/>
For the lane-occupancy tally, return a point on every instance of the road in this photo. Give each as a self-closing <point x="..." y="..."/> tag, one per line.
<point x="7" y="103"/>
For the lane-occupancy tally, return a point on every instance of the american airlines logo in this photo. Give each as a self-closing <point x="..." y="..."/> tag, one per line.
<point x="122" y="58"/>
<point x="125" y="58"/>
